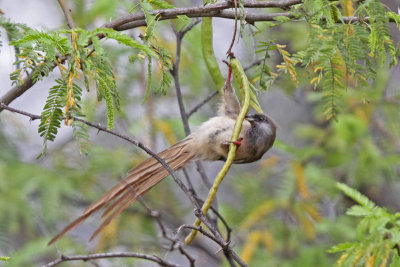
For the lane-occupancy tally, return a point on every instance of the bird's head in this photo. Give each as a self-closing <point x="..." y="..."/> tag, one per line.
<point x="259" y="119"/>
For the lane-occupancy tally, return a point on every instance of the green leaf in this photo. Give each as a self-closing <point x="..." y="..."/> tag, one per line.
<point x="341" y="247"/>
<point x="125" y="40"/>
<point x="52" y="113"/>
<point x="359" y="211"/>
<point x="356" y="196"/>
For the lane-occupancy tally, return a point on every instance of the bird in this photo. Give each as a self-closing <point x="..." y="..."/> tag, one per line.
<point x="209" y="142"/>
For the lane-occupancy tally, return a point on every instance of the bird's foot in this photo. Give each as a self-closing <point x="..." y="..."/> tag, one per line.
<point x="230" y="70"/>
<point x="238" y="142"/>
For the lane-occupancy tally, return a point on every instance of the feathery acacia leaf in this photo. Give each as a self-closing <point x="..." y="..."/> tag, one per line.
<point x="52" y="113"/>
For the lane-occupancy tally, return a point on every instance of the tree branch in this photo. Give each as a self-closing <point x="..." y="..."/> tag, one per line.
<point x="200" y="11"/>
<point x="16" y="91"/>
<point x="174" y="241"/>
<point x="250" y="18"/>
<point x="67" y="14"/>
<point x="202" y="103"/>
<point x="156" y="259"/>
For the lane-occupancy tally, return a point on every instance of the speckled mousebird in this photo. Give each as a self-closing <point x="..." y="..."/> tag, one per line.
<point x="209" y="142"/>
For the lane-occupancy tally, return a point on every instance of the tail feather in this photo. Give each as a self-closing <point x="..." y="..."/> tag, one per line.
<point x="139" y="180"/>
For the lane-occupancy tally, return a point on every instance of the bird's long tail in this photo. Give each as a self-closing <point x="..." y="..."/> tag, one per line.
<point x="139" y="180"/>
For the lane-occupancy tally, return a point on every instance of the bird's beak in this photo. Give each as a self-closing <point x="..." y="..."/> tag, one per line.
<point x="249" y="118"/>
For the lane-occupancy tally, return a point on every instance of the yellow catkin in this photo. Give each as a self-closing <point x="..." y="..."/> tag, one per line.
<point x="386" y="254"/>
<point x="347" y="7"/>
<point x="358" y="257"/>
<point x="258" y="213"/>
<point x="289" y="63"/>
<point x="269" y="162"/>
<point x="370" y="260"/>
<point x="250" y="246"/>
<point x="108" y="235"/>
<point x="301" y="180"/>
<point x="268" y="240"/>
<point x="342" y="259"/>
<point x="312" y="212"/>
<point x="164" y="127"/>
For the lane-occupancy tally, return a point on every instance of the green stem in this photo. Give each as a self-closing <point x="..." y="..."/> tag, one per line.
<point x="241" y="78"/>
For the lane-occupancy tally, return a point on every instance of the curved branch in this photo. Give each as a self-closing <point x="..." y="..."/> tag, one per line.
<point x="156" y="259"/>
<point x="67" y="14"/>
<point x="250" y="18"/>
<point x="16" y="91"/>
<point x="199" y="11"/>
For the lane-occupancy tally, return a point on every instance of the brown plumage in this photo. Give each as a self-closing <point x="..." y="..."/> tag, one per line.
<point x="209" y="142"/>
<point x="138" y="181"/>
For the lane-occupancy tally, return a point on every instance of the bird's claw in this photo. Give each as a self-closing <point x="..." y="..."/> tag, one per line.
<point x="238" y="142"/>
<point x="230" y="70"/>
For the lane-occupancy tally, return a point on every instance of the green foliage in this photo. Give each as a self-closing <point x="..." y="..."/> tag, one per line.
<point x="81" y="136"/>
<point x="379" y="39"/>
<point x="40" y="52"/>
<point x="52" y="113"/>
<point x="343" y="55"/>
<point x="284" y="209"/>
<point x="378" y="234"/>
<point x="3" y="258"/>
<point x="151" y="19"/>
<point x="264" y="75"/>
<point x="162" y="54"/>
<point x="319" y="9"/>
<point x="164" y="58"/>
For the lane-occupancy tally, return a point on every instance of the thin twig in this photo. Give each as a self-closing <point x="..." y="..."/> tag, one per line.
<point x="174" y="241"/>
<point x="224" y="222"/>
<point x="174" y="72"/>
<point x="201" y="230"/>
<point x="224" y="245"/>
<point x="200" y="11"/>
<point x="67" y="13"/>
<point x="255" y="63"/>
<point x="229" y="51"/>
<point x="250" y="18"/>
<point x="17" y="91"/>
<point x="202" y="103"/>
<point x="64" y="258"/>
